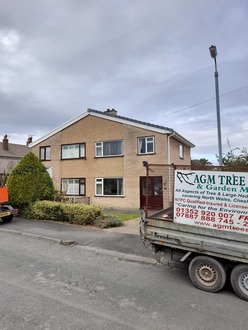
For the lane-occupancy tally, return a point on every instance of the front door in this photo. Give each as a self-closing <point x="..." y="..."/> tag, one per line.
<point x="155" y="195"/>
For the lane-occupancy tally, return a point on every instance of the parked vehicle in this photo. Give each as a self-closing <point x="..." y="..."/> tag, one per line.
<point x="7" y="212"/>
<point x="216" y="246"/>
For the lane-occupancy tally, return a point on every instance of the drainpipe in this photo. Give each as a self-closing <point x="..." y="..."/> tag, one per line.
<point x="169" y="152"/>
<point x="169" y="171"/>
<point x="146" y="165"/>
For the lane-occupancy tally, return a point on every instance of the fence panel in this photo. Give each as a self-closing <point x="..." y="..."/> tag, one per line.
<point x="167" y="174"/>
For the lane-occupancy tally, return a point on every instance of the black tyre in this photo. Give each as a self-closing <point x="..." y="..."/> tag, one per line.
<point x="7" y="219"/>
<point x="239" y="281"/>
<point x="207" y="274"/>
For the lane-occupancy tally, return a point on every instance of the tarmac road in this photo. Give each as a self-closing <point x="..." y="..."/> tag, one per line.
<point x="45" y="285"/>
<point x="124" y="239"/>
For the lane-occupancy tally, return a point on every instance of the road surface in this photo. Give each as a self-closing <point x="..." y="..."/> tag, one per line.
<point x="45" y="285"/>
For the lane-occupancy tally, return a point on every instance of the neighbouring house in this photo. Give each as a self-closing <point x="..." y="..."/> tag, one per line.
<point x="100" y="156"/>
<point x="10" y="155"/>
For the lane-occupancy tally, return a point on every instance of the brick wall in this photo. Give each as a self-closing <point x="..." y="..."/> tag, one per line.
<point x="92" y="129"/>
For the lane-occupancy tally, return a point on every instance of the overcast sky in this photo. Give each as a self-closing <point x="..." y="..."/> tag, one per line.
<point x="148" y="59"/>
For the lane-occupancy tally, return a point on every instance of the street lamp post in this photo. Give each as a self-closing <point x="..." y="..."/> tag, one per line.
<point x="213" y="53"/>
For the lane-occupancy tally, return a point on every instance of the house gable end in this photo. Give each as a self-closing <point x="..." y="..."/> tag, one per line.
<point x="114" y="118"/>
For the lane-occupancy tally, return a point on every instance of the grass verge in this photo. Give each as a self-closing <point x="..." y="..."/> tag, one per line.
<point x="122" y="216"/>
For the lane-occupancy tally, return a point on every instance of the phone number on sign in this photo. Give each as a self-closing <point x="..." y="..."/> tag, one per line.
<point x="211" y="216"/>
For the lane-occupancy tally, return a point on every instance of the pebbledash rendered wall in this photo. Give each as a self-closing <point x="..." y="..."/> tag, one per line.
<point x="130" y="167"/>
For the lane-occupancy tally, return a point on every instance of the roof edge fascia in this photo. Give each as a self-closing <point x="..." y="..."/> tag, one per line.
<point x="59" y="128"/>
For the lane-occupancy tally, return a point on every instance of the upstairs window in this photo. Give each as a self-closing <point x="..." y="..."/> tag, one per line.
<point x="74" y="187"/>
<point x="181" y="151"/>
<point x="73" y="151"/>
<point x="146" y="145"/>
<point x="45" y="153"/>
<point x="108" y="149"/>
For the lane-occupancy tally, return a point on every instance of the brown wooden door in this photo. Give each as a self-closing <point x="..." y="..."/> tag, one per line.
<point x="155" y="195"/>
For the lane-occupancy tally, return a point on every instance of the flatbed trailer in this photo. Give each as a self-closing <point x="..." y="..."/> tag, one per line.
<point x="211" y="254"/>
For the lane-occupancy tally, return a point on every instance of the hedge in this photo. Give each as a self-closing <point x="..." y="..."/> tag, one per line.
<point x="80" y="214"/>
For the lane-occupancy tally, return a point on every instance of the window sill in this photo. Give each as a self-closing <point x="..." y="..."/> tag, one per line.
<point x="81" y="158"/>
<point x="148" y="153"/>
<point x="114" y="156"/>
<point x="110" y="196"/>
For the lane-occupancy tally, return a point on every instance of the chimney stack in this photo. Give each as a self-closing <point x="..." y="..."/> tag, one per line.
<point x="111" y="112"/>
<point x="5" y="143"/>
<point x="29" y="140"/>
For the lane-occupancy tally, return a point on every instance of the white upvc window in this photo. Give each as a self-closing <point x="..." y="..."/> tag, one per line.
<point x="73" y="187"/>
<point x="108" y="148"/>
<point x="109" y="186"/>
<point x="146" y="145"/>
<point x="45" y="153"/>
<point x="181" y="151"/>
<point x="72" y="151"/>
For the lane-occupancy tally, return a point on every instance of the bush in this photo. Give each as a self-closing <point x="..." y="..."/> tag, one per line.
<point x="79" y="214"/>
<point x="28" y="182"/>
<point x="108" y="222"/>
<point x="46" y="210"/>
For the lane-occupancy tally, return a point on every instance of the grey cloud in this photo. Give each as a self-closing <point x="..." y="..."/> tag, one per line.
<point x="149" y="60"/>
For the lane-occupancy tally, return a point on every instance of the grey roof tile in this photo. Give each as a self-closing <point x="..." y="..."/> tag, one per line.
<point x="14" y="150"/>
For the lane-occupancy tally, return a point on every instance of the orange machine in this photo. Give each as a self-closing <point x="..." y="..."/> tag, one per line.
<point x="6" y="211"/>
<point x="3" y="195"/>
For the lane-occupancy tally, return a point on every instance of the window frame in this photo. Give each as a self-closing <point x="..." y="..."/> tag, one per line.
<point x="99" y="182"/>
<point x="145" y="138"/>
<point x="81" y="181"/>
<point x="45" y="149"/>
<point x="181" y="151"/>
<point x="99" y="145"/>
<point x="80" y="145"/>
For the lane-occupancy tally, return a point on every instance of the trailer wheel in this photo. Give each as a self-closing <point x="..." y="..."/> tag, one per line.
<point x="7" y="219"/>
<point x="239" y="281"/>
<point x="207" y="274"/>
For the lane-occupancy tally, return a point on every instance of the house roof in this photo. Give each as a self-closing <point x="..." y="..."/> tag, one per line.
<point x="116" y="118"/>
<point x="15" y="151"/>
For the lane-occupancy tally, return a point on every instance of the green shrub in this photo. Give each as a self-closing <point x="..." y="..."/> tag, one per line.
<point x="79" y="214"/>
<point x="28" y="182"/>
<point x="47" y="210"/>
<point x="108" y="222"/>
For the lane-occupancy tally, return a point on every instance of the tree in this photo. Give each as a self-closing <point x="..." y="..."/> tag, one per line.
<point x="201" y="162"/>
<point x="5" y="172"/>
<point x="28" y="182"/>
<point x="235" y="157"/>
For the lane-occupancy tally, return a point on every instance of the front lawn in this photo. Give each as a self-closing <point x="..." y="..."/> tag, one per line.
<point x="121" y="215"/>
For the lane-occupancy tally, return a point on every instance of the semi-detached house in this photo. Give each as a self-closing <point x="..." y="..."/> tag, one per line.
<point x="10" y="155"/>
<point x="100" y="156"/>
